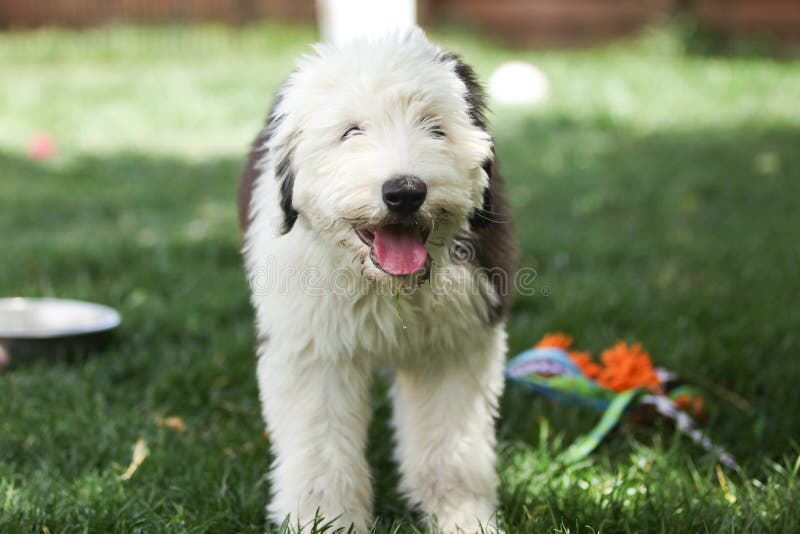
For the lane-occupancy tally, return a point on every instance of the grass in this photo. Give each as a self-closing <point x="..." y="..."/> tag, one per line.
<point x="655" y="194"/>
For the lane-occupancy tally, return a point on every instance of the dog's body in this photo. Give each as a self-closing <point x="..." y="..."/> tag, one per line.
<point x="376" y="233"/>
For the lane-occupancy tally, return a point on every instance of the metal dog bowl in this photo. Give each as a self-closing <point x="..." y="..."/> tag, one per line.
<point x="32" y="327"/>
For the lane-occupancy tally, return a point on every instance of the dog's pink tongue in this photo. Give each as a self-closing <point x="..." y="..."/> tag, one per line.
<point x="399" y="251"/>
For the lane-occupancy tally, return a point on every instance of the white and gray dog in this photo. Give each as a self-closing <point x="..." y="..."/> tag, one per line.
<point x="377" y="234"/>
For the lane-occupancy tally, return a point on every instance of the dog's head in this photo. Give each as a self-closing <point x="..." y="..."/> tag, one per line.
<point x="381" y="147"/>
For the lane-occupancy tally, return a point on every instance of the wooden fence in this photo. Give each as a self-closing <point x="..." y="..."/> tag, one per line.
<point x="522" y="22"/>
<point x="83" y="13"/>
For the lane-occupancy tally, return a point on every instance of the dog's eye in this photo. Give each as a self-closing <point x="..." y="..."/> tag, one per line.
<point x="352" y="131"/>
<point x="437" y="131"/>
<point x="430" y="124"/>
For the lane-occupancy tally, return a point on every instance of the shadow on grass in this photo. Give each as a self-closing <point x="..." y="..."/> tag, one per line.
<point x="685" y="241"/>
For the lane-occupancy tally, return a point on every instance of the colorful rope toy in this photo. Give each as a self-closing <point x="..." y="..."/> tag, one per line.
<point x="623" y="380"/>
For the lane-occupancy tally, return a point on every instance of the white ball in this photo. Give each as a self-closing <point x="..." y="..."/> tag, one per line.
<point x="517" y="82"/>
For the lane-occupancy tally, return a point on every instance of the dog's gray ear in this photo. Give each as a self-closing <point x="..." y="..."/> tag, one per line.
<point x="475" y="95"/>
<point x="476" y="102"/>
<point x="273" y="147"/>
<point x="281" y="144"/>
<point x="284" y="173"/>
<point x="481" y="217"/>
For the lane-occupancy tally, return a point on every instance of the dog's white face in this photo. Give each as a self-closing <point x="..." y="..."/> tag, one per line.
<point x="380" y="152"/>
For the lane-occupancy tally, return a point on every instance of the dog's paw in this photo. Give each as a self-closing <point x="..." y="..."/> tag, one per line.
<point x="314" y="519"/>
<point x="317" y="523"/>
<point x="467" y="520"/>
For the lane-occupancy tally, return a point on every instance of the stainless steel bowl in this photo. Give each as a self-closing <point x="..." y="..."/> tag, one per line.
<point x="33" y="326"/>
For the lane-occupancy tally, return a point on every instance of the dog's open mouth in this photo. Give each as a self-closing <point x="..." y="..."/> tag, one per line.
<point x="398" y="250"/>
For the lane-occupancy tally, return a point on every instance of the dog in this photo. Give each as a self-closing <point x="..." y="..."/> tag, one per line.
<point x="376" y="233"/>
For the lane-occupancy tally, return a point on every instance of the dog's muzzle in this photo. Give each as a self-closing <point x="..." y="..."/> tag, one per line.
<point x="397" y="244"/>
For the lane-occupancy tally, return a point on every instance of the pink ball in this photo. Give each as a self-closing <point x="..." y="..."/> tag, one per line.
<point x="41" y="147"/>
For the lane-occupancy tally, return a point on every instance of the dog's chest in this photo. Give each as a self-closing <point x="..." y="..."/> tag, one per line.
<point x="430" y="322"/>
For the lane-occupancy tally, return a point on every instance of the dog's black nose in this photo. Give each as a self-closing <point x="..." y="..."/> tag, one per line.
<point x="404" y="194"/>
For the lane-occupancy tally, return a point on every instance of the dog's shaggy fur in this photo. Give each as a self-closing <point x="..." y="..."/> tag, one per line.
<point x="313" y="206"/>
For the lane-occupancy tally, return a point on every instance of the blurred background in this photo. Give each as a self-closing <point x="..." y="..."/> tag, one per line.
<point x="652" y="153"/>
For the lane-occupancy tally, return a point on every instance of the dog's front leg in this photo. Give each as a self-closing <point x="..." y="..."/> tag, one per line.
<point x="444" y="421"/>
<point x="317" y="412"/>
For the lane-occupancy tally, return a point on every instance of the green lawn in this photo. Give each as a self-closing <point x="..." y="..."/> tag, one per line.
<point x="656" y="193"/>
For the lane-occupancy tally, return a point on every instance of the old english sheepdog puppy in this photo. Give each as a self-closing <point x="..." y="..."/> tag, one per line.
<point x="377" y="234"/>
